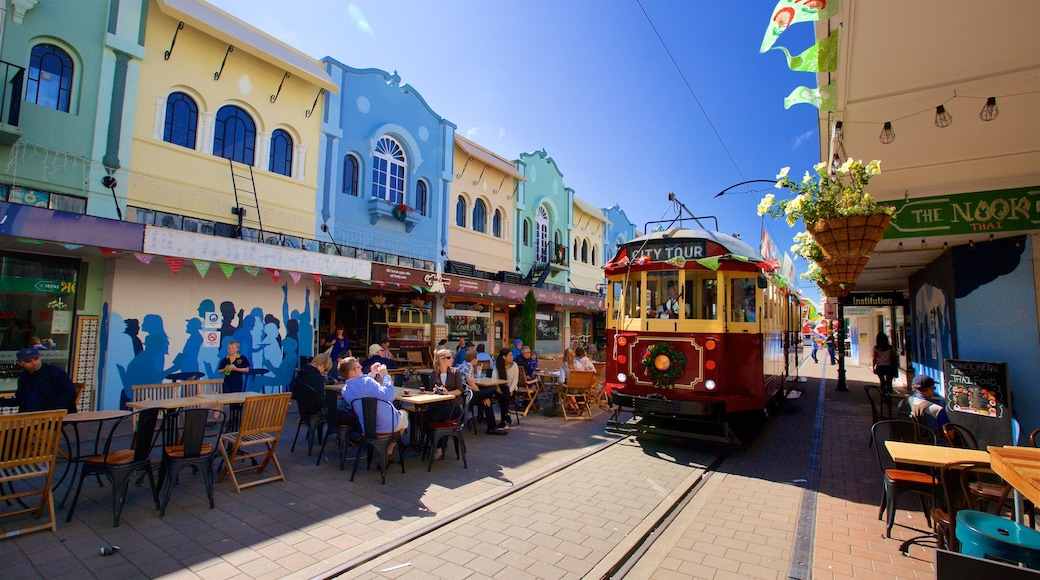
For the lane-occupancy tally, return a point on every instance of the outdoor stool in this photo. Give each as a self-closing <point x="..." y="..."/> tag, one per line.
<point x="986" y="535"/>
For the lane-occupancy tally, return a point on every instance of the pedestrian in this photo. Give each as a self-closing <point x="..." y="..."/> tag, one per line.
<point x="815" y="347"/>
<point x="883" y="362"/>
<point x="340" y="345"/>
<point x="829" y="341"/>
<point x="233" y="367"/>
<point x="42" y="387"/>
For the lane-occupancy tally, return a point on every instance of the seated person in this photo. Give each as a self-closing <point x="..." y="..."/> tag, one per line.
<point x="481" y="397"/>
<point x="925" y="405"/>
<point x="445" y="380"/>
<point x="308" y="387"/>
<point x="670" y="308"/>
<point x="375" y="384"/>
<point x="484" y="361"/>
<point x="42" y="387"/>
<point x="507" y="370"/>
<point x="582" y="362"/>
<point x="527" y="364"/>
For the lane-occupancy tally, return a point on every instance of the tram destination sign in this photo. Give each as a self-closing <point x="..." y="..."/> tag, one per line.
<point x="663" y="250"/>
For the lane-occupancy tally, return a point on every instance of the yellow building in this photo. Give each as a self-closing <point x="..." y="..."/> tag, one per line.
<point x="213" y="88"/>
<point x="587" y="235"/>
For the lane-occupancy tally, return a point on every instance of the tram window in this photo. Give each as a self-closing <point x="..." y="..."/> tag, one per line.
<point x="633" y="300"/>
<point x="669" y="299"/>
<point x="742" y="304"/>
<point x="701" y="295"/>
<point x="615" y="299"/>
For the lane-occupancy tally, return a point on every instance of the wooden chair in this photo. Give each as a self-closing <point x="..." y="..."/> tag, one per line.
<point x="1034" y="438"/>
<point x="28" y="446"/>
<point x="574" y="395"/>
<point x="528" y="389"/>
<point x="202" y="387"/>
<point x="263" y="417"/>
<point x="599" y="388"/>
<point x="118" y="465"/>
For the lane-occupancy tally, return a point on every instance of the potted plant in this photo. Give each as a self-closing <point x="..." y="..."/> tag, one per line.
<point x="836" y="209"/>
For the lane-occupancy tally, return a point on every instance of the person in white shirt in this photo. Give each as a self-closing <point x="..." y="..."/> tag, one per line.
<point x="670" y="308"/>
<point x="506" y="369"/>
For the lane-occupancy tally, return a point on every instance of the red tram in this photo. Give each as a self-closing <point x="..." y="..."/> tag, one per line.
<point x="700" y="333"/>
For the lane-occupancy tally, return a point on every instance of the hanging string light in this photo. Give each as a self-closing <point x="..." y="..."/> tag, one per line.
<point x="989" y="110"/>
<point x="888" y="135"/>
<point x="942" y="117"/>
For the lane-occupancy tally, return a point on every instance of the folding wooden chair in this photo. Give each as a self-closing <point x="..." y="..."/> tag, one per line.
<point x="528" y="389"/>
<point x="28" y="445"/>
<point x="262" y="419"/>
<point x="574" y="395"/>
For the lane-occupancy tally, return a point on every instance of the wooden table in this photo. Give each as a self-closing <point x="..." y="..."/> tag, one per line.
<point x="932" y="455"/>
<point x="1020" y="467"/>
<point x="419" y="399"/>
<point x="488" y="382"/>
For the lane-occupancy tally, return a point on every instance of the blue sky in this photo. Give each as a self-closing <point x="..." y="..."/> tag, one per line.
<point x="590" y="82"/>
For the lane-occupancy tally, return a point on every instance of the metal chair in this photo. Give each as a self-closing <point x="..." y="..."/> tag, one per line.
<point x="959" y="436"/>
<point x="343" y="423"/>
<point x="311" y="413"/>
<point x="119" y="464"/>
<point x="897" y="480"/>
<point x="194" y="447"/>
<point x="373" y="440"/>
<point x="452" y="427"/>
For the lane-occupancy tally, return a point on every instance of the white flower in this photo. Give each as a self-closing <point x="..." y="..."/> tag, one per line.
<point x="779" y="184"/>
<point x="783" y="173"/>
<point x="819" y="167"/>
<point x="874" y="167"/>
<point x="766" y="203"/>
<point x="806" y="178"/>
<point x="845" y="166"/>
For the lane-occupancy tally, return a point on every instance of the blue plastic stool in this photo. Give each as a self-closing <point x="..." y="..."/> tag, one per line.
<point x="985" y="535"/>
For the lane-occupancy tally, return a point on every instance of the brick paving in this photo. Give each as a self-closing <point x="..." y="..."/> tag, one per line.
<point x="742" y="523"/>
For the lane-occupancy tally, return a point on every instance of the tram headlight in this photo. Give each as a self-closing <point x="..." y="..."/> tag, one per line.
<point x="622" y="377"/>
<point x="709" y="384"/>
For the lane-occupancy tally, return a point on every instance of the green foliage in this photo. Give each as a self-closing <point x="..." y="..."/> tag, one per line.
<point x="527" y="319"/>
<point x="826" y="196"/>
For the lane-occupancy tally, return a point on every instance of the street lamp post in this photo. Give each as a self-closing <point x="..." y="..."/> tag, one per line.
<point x="842" y="386"/>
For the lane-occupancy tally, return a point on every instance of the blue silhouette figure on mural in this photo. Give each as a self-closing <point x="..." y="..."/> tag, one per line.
<point x="303" y="320"/>
<point x="118" y="355"/>
<point x="227" y="326"/>
<point x="282" y="374"/>
<point x="209" y="356"/>
<point x="256" y="337"/>
<point x="270" y="319"/>
<point x="271" y="346"/>
<point x="148" y="367"/>
<point x="132" y="329"/>
<point x="187" y="361"/>
<point x="244" y="336"/>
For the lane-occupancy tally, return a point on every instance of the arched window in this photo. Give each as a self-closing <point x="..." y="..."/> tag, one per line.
<point x="480" y="216"/>
<point x="281" y="153"/>
<point x="574" y="252"/>
<point x="541" y="235"/>
<point x="527" y="232"/>
<point x="388" y="171"/>
<point x="234" y="137"/>
<point x="50" y="77"/>
<point x="421" y="197"/>
<point x="350" y="175"/>
<point x="585" y="251"/>
<point x="182" y="119"/>
<point x="460" y="212"/>
<point x="593" y="261"/>
<point x="496" y="224"/>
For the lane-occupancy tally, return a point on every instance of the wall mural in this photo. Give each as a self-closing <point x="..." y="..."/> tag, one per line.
<point x="136" y="344"/>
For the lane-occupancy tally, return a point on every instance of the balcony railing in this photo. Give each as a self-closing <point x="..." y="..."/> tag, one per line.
<point x="10" y="102"/>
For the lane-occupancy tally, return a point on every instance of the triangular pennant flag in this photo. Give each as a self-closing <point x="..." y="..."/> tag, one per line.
<point x="317" y="278"/>
<point x="108" y="251"/>
<point x="274" y="273"/>
<point x="228" y="269"/>
<point x="72" y="246"/>
<point x="143" y="258"/>
<point x="251" y="270"/>
<point x="823" y="98"/>
<point x="788" y="12"/>
<point x="202" y="266"/>
<point x="174" y="264"/>
<point x="295" y="277"/>
<point x="418" y="289"/>
<point x="820" y="57"/>
<point x="711" y="263"/>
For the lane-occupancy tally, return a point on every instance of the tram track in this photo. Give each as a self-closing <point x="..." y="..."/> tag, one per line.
<point x="672" y="475"/>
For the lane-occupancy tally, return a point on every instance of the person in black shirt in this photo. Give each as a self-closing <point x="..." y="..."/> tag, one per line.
<point x="42" y="387"/>
<point x="233" y="367"/>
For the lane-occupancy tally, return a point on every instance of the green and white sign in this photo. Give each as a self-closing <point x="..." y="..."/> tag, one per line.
<point x="41" y="285"/>
<point x="1006" y="210"/>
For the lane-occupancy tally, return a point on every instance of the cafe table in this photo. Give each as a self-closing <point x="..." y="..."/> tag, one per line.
<point x="234" y="401"/>
<point x="1020" y="467"/>
<point x="488" y="382"/>
<point x="932" y="455"/>
<point x="76" y="456"/>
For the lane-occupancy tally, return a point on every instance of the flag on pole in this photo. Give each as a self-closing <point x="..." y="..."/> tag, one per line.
<point x="788" y="12"/>
<point x="820" y="57"/>
<point x="823" y="98"/>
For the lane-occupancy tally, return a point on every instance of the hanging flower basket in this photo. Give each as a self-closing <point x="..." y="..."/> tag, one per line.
<point x="843" y="270"/>
<point x="400" y="212"/>
<point x="836" y="290"/>
<point x="849" y="237"/>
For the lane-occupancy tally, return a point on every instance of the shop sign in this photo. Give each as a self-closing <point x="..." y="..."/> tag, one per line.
<point x="41" y="285"/>
<point x="1006" y="210"/>
<point x="874" y="299"/>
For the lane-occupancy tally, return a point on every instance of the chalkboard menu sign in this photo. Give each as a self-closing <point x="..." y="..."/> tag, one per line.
<point x="978" y="397"/>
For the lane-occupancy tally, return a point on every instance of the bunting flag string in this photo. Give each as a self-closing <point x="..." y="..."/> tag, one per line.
<point x="275" y="274"/>
<point x="823" y="98"/>
<point x="251" y="270"/>
<point x="711" y="263"/>
<point x="295" y="277"/>
<point x="317" y="278"/>
<point x="143" y="258"/>
<point x="202" y="266"/>
<point x="108" y="251"/>
<point x="228" y="269"/>
<point x="788" y="12"/>
<point x="174" y="264"/>
<point x="72" y="246"/>
<point x="820" y="57"/>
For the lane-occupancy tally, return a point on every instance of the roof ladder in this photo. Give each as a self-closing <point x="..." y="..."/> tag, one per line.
<point x="247" y="206"/>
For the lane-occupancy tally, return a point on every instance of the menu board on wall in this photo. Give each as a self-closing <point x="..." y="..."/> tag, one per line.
<point x="978" y="397"/>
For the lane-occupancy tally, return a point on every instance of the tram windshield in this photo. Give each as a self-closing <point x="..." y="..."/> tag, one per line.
<point x="742" y="306"/>
<point x="676" y="294"/>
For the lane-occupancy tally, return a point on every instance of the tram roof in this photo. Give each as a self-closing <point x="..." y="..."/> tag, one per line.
<point x="732" y="244"/>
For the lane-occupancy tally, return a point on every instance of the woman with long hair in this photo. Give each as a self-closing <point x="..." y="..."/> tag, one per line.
<point x="507" y="370"/>
<point x="884" y="362"/>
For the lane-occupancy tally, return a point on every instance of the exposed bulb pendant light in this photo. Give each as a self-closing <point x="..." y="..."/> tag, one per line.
<point x="990" y="110"/>
<point x="942" y="117"/>
<point x="888" y="135"/>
